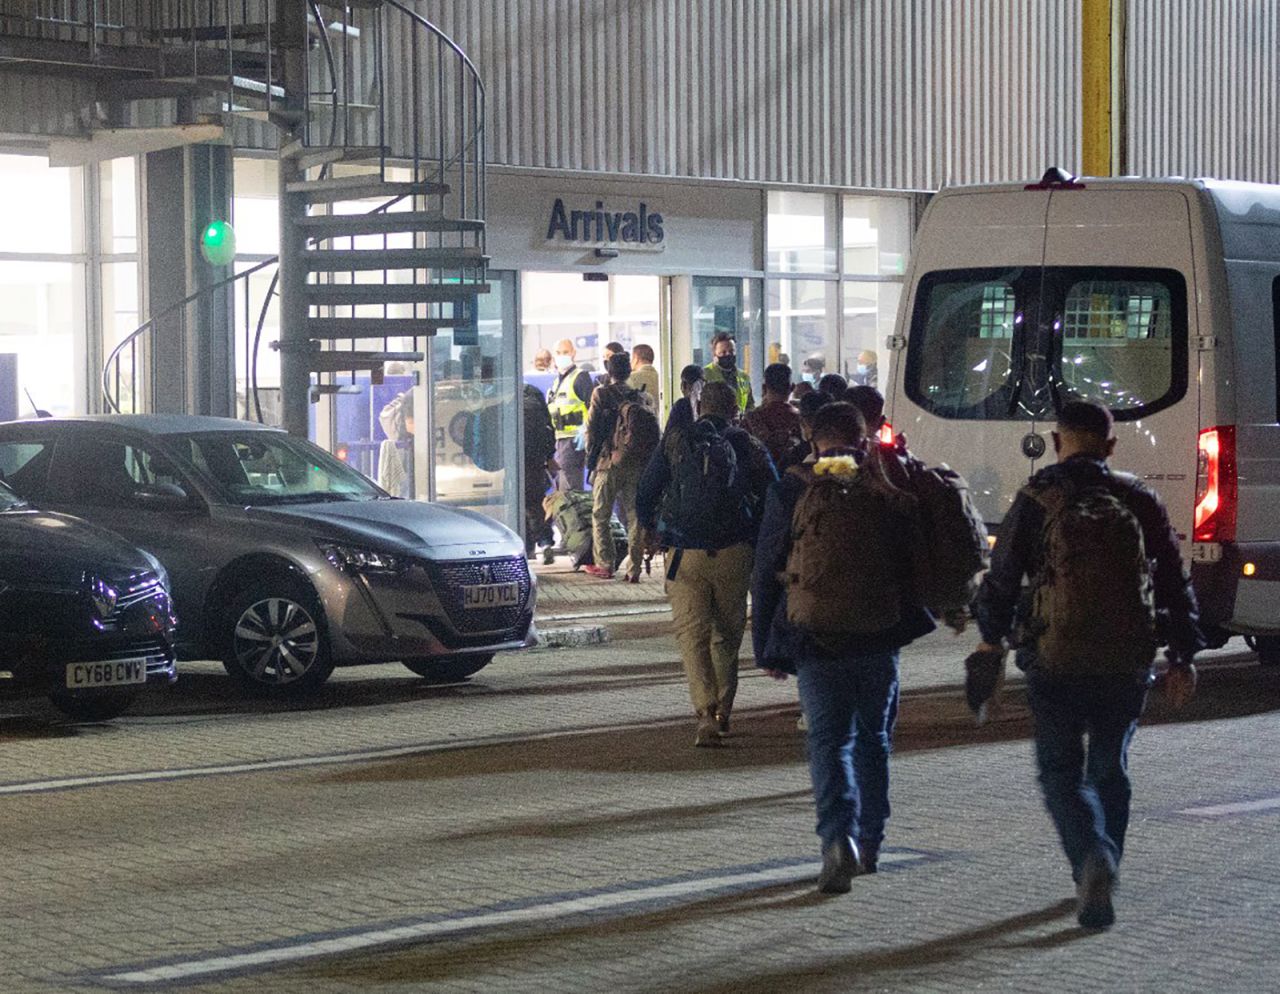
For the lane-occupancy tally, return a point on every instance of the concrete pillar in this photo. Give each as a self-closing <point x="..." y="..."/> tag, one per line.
<point x="191" y="351"/>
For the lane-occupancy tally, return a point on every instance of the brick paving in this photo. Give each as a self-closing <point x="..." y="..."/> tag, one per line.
<point x="109" y="877"/>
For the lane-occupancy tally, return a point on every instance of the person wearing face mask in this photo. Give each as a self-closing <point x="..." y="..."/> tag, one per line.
<point x="567" y="400"/>
<point x="724" y="369"/>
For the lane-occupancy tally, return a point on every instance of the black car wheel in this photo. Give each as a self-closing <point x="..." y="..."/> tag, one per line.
<point x="93" y="707"/>
<point x="274" y="641"/>
<point x="449" y="669"/>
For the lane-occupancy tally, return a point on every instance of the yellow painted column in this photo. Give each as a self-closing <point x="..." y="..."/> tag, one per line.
<point x="1102" y="87"/>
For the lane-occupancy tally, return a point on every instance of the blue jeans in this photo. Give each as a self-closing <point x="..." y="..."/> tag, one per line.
<point x="850" y="705"/>
<point x="1087" y="793"/>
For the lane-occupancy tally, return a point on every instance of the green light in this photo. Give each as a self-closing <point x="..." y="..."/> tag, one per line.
<point x="218" y="243"/>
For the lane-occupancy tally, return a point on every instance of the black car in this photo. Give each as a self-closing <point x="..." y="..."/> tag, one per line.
<point x="85" y="618"/>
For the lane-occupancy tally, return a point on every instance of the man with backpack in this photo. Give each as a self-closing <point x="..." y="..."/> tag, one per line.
<point x="775" y="422"/>
<point x="833" y="602"/>
<point x="702" y="492"/>
<point x="622" y="434"/>
<point x="1105" y="576"/>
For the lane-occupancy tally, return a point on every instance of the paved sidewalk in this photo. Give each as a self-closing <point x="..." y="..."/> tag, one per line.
<point x="566" y="595"/>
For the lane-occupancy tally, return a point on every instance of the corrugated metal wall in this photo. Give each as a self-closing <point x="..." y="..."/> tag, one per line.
<point x="42" y="104"/>
<point x="882" y="93"/>
<point x="1204" y="88"/>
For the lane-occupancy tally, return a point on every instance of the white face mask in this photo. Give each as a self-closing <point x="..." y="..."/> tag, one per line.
<point x="563" y="361"/>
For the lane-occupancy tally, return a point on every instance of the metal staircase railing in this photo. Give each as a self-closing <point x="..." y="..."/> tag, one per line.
<point x="415" y="134"/>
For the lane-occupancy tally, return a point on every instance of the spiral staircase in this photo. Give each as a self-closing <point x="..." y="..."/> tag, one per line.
<point x="380" y="124"/>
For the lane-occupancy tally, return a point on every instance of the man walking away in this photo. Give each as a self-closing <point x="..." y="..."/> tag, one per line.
<point x="622" y="434"/>
<point x="1086" y="632"/>
<point x="643" y="375"/>
<point x="567" y="400"/>
<point x="724" y="369"/>
<point x="702" y="491"/>
<point x="832" y="601"/>
<point x="539" y="460"/>
<point x="775" y="422"/>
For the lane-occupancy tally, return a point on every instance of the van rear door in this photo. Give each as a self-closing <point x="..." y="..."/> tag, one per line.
<point x="1022" y="300"/>
<point x="1122" y="259"/>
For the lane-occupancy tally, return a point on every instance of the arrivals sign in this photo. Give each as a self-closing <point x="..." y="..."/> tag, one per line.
<point x="601" y="226"/>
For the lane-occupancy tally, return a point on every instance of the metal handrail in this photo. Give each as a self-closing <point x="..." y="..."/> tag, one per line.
<point x="149" y="325"/>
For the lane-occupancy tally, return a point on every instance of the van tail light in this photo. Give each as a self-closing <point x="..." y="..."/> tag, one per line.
<point x="886" y="435"/>
<point x="1215" y="516"/>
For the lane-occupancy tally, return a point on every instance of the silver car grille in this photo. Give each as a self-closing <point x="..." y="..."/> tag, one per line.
<point x="503" y="623"/>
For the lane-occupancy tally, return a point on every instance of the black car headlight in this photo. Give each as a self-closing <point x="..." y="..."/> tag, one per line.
<point x="354" y="559"/>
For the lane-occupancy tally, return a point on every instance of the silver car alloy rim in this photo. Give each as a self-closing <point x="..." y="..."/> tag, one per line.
<point x="276" y="640"/>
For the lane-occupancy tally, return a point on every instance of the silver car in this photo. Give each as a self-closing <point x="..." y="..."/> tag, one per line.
<point x="284" y="561"/>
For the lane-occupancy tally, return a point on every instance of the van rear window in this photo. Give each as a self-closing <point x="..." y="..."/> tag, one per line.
<point x="1016" y="343"/>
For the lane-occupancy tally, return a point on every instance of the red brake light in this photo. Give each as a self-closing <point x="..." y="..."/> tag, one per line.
<point x="886" y="434"/>
<point x="1215" y="515"/>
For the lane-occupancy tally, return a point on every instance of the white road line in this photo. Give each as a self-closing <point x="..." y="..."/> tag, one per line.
<point x="305" y="948"/>
<point x="1238" y="808"/>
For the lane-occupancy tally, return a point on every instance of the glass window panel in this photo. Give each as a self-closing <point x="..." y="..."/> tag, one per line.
<point x="255" y="209"/>
<point x="268" y="359"/>
<point x="40" y="205"/>
<point x="119" y="193"/>
<point x="120" y="316"/>
<point x="474" y="383"/>
<point x="41" y="314"/>
<point x="731" y="306"/>
<point x="876" y="235"/>
<point x="1015" y="343"/>
<point x="802" y="323"/>
<point x="801" y="232"/>
<point x="870" y="310"/>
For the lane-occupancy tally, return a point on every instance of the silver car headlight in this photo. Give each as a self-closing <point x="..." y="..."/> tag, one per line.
<point x="354" y="559"/>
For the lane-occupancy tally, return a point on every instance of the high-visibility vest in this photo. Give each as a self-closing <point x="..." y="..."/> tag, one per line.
<point x="741" y="385"/>
<point x="568" y="412"/>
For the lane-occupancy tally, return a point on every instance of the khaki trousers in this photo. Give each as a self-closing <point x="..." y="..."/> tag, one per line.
<point x="709" y="607"/>
<point x="615" y="485"/>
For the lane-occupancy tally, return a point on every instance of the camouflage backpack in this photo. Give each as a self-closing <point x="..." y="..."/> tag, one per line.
<point x="849" y="569"/>
<point x="635" y="432"/>
<point x="1092" y="599"/>
<point x="955" y="550"/>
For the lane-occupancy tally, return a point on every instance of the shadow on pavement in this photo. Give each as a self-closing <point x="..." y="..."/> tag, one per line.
<point x="936" y="952"/>
<point x="659" y="819"/>
<point x="456" y="960"/>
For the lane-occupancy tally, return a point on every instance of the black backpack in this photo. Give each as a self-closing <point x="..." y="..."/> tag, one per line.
<point x="705" y="501"/>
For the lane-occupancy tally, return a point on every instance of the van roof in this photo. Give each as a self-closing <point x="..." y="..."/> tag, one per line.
<point x="1248" y="213"/>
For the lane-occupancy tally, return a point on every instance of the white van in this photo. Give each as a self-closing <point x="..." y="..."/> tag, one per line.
<point x="1160" y="298"/>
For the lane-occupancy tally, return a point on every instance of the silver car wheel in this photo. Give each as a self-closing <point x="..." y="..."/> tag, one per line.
<point x="276" y="641"/>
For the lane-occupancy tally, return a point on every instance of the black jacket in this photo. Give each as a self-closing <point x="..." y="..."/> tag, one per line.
<point x="1003" y="600"/>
